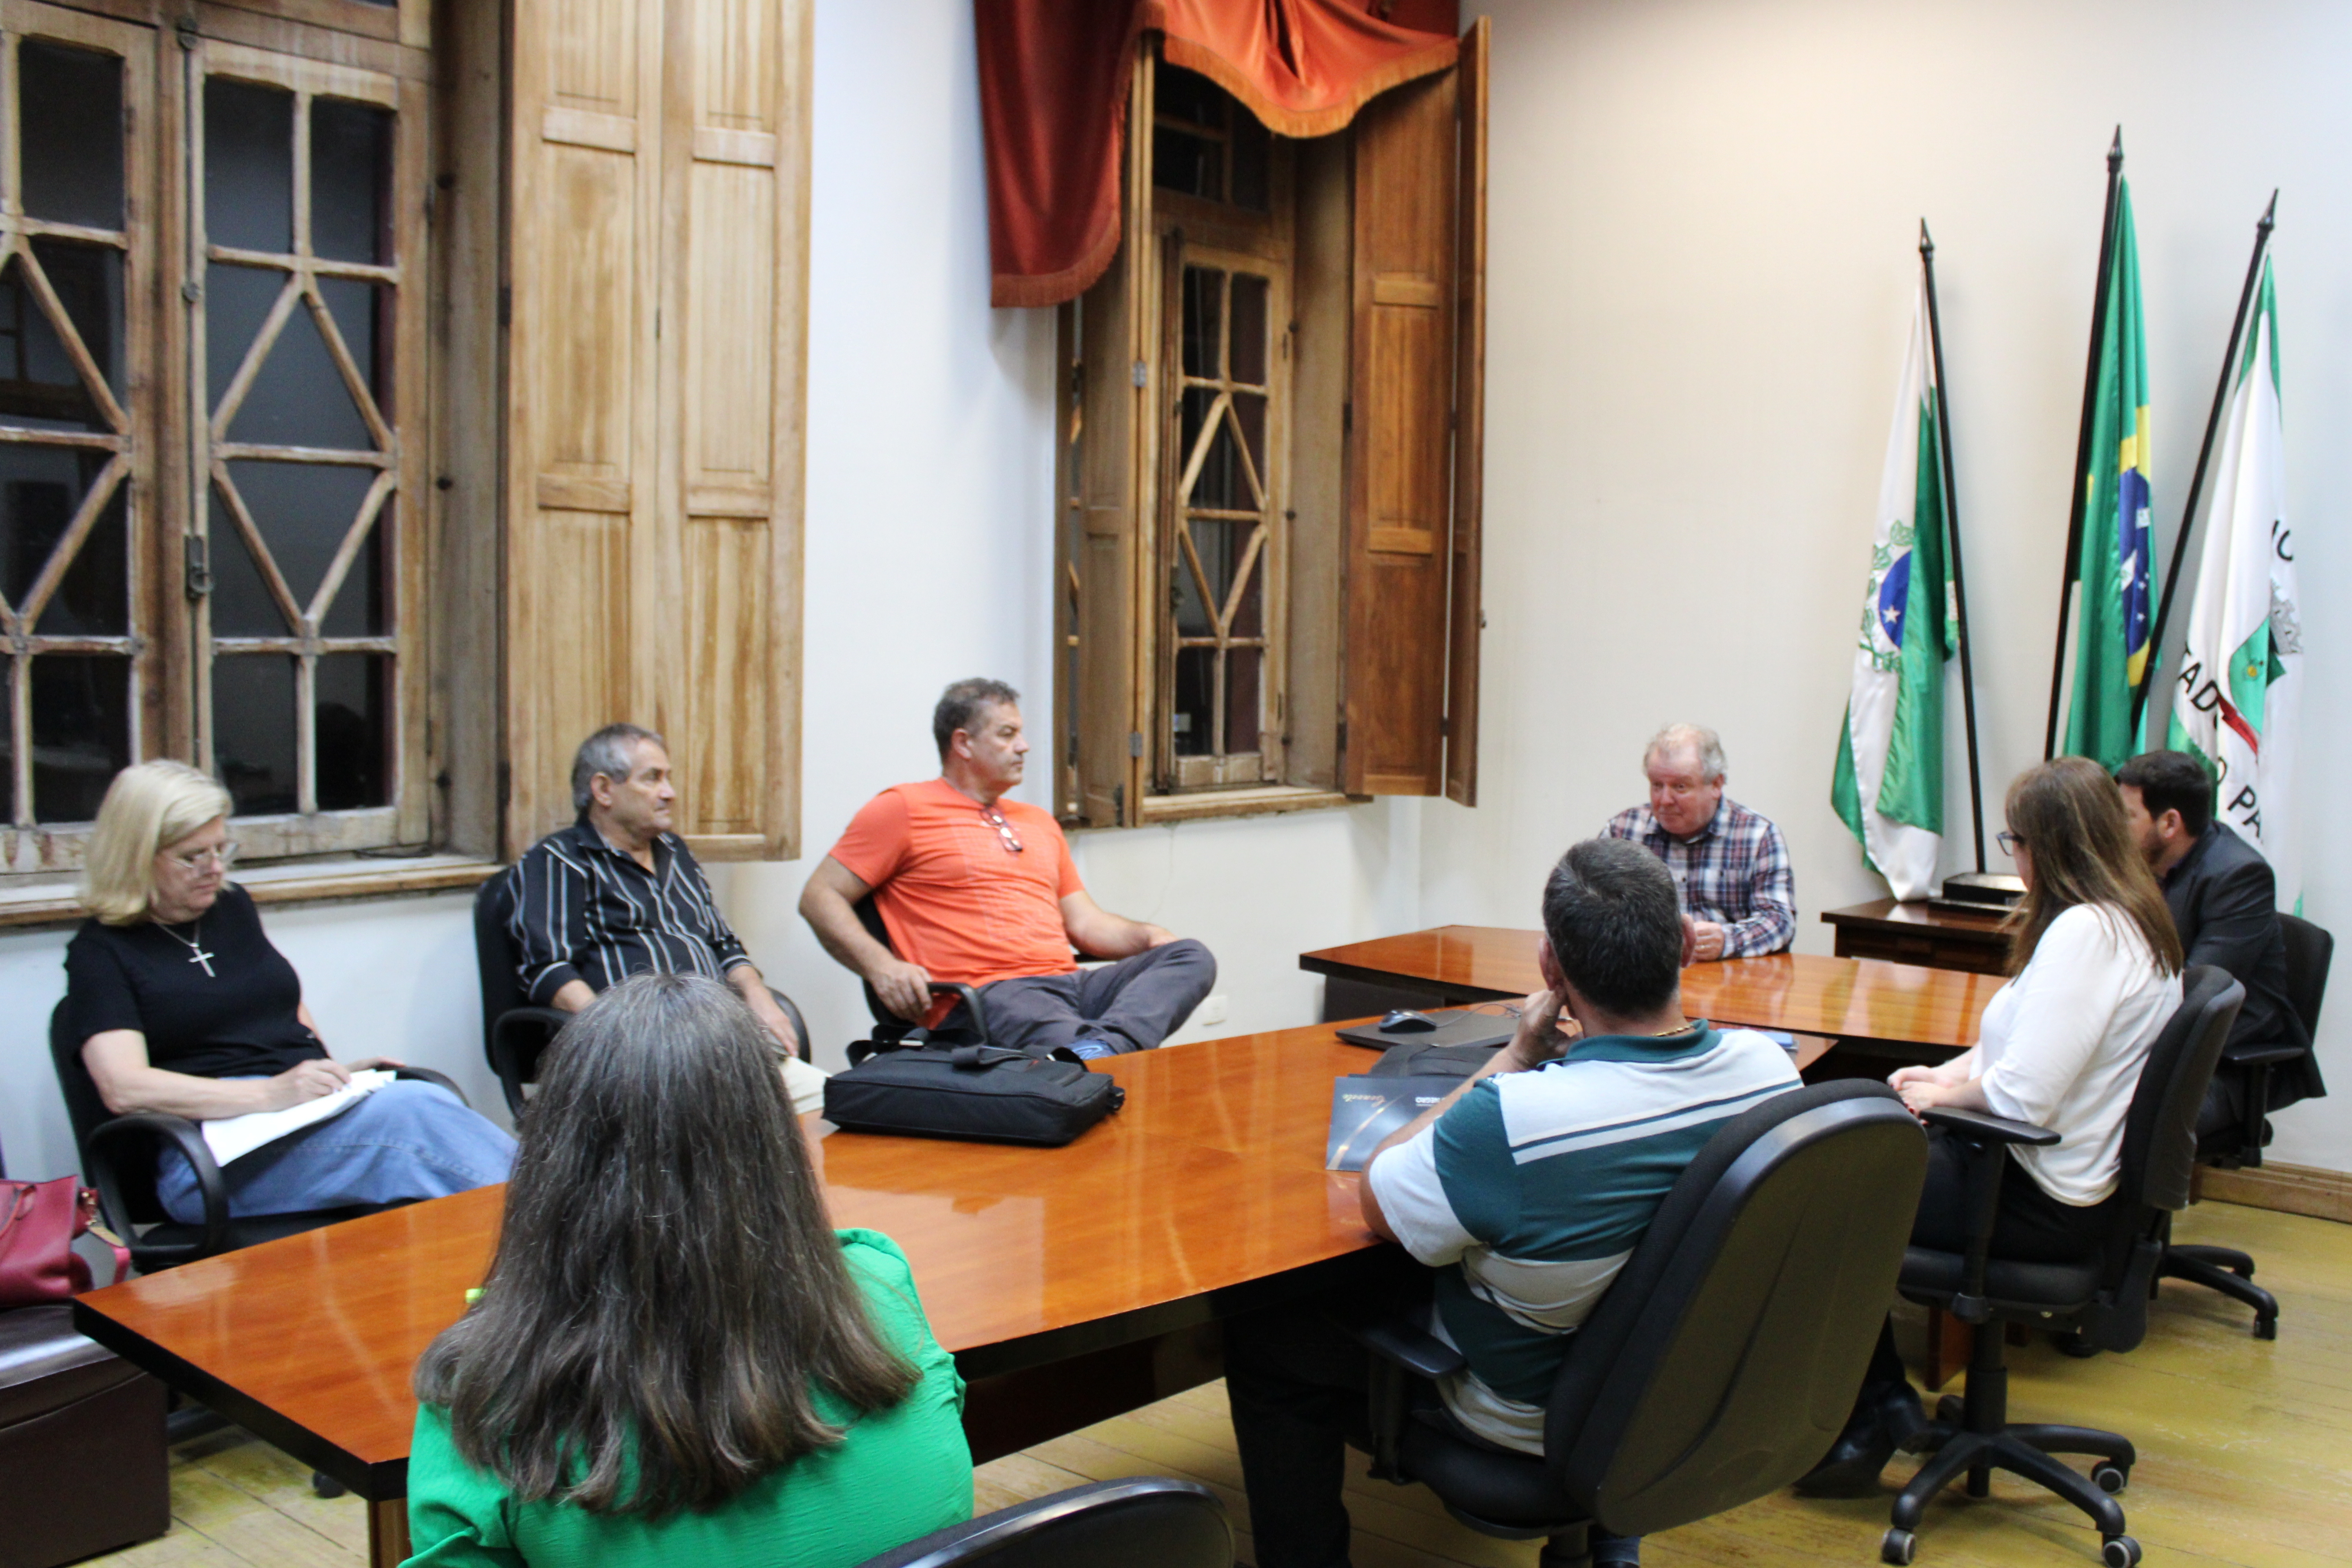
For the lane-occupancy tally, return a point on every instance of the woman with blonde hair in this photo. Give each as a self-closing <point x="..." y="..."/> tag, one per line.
<point x="2096" y="974"/>
<point x="675" y="1358"/>
<point x="184" y="1008"/>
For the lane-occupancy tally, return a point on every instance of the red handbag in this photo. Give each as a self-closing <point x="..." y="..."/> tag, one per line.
<point x="38" y="1223"/>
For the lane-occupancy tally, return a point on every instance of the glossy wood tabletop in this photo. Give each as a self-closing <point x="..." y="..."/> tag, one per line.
<point x="1854" y="999"/>
<point x="1210" y="1178"/>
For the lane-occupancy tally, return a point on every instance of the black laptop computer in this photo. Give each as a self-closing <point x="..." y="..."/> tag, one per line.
<point x="1438" y="1026"/>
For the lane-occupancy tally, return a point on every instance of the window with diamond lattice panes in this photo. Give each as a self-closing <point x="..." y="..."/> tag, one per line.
<point x="301" y="346"/>
<point x="1226" y="539"/>
<point x="71" y="455"/>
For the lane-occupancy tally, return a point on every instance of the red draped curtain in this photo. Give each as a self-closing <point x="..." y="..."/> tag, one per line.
<point x="1052" y="103"/>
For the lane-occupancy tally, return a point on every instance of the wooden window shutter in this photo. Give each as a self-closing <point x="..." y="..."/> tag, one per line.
<point x="1465" y="613"/>
<point x="1410" y="288"/>
<point x="1116" y="466"/>
<point x="658" y="266"/>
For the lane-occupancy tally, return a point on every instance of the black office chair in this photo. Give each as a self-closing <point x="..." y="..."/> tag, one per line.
<point x="2309" y="949"/>
<point x="515" y="1034"/>
<point x="1146" y="1522"/>
<point x="1724" y="1360"/>
<point x="964" y="1024"/>
<point x="118" y="1157"/>
<point x="2102" y="1301"/>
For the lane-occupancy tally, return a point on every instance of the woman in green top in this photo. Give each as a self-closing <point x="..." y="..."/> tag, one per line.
<point x="676" y="1359"/>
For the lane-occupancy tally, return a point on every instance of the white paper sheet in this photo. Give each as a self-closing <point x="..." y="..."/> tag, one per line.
<point x="233" y="1137"/>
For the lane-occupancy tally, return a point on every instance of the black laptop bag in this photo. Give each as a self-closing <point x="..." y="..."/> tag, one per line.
<point x="986" y="1093"/>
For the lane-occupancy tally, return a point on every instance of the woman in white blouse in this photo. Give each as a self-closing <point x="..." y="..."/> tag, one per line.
<point x="2097" y="973"/>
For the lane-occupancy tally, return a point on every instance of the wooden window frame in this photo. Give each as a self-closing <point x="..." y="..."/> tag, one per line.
<point x="31" y="846"/>
<point x="400" y="435"/>
<point x="442" y="823"/>
<point x="1384" y="228"/>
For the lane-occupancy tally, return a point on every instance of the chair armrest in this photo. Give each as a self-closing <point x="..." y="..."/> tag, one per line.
<point x="1398" y="1349"/>
<point x="211" y="1186"/>
<point x="1985" y="1127"/>
<point x="506" y="1051"/>
<point x="971" y="1000"/>
<point x="2262" y="1056"/>
<point x="1989" y="1137"/>
<point x="1422" y="1353"/>
<point x="800" y="1025"/>
<point x="426" y="1075"/>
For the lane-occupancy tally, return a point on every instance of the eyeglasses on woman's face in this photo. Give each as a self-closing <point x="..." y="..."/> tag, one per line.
<point x="2010" y="843"/>
<point x="223" y="856"/>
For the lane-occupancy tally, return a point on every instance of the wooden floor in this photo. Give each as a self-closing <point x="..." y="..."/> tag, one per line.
<point x="2245" y="1454"/>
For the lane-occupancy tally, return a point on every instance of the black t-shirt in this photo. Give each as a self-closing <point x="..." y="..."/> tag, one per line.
<point x="239" y="1021"/>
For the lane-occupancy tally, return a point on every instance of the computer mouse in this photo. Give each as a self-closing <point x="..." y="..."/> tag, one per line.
<point x="1404" y="1021"/>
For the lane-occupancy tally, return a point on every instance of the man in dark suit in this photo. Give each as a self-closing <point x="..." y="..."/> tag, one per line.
<point x="2224" y="903"/>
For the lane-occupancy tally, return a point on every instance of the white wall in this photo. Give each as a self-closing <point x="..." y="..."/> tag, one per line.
<point x="929" y="558"/>
<point x="1703" y="217"/>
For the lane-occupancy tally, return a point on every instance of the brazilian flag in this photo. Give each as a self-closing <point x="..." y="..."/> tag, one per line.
<point x="2112" y="565"/>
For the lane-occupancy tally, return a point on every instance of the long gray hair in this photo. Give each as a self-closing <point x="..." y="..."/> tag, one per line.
<point x="667" y="1294"/>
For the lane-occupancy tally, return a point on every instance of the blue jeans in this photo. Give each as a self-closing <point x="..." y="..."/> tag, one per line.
<point x="407" y="1140"/>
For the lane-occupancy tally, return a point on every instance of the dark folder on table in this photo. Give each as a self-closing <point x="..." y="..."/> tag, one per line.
<point x="1366" y="1109"/>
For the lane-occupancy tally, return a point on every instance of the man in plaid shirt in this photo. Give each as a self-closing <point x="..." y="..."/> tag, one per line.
<point x="1731" y="865"/>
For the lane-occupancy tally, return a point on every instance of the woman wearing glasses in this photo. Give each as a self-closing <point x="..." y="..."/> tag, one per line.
<point x="184" y="1008"/>
<point x="2096" y="974"/>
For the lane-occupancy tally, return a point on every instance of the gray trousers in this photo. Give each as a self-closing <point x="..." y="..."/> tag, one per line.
<point x="1129" y="1005"/>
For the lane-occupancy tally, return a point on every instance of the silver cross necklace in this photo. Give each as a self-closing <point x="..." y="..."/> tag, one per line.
<point x="196" y="954"/>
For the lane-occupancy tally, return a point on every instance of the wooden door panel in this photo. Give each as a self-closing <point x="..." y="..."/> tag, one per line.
<point x="580" y="591"/>
<point x="730" y="306"/>
<point x="1465" y="613"/>
<point x="1401" y="440"/>
<point x="584" y="377"/>
<point x="723" y="743"/>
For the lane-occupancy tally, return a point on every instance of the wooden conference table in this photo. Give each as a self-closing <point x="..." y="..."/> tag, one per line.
<point x="1869" y="1006"/>
<point x="1070" y="1283"/>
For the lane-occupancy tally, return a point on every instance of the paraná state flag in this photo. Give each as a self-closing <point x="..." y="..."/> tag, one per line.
<point x="2112" y="563"/>
<point x="1889" y="782"/>
<point x="2241" y="683"/>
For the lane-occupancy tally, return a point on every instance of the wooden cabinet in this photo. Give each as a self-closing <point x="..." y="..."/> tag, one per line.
<point x="1920" y="934"/>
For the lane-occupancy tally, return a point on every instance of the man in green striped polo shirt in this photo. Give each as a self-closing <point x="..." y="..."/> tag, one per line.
<point x="1525" y="1190"/>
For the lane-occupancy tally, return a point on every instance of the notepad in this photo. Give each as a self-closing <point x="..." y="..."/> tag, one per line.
<point x="1365" y="1109"/>
<point x="234" y="1137"/>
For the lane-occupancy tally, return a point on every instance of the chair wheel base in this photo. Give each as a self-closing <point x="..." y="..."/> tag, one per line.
<point x="2119" y="1552"/>
<point x="1950" y="1409"/>
<point x="325" y="1485"/>
<point x="1899" y="1546"/>
<point x="2110" y="1478"/>
<point x="2265" y="1328"/>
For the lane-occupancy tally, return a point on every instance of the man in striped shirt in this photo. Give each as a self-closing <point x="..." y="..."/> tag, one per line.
<point x="1526" y="1189"/>
<point x="617" y="894"/>
<point x="1729" y="863"/>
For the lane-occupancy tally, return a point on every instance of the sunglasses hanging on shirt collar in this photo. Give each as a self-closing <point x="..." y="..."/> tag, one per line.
<point x="994" y="817"/>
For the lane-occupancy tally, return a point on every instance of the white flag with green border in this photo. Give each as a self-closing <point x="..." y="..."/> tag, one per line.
<point x="1888" y="787"/>
<point x="2236" y="698"/>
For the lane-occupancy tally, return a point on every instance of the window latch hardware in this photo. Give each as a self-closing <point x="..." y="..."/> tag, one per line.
<point x="199" y="565"/>
<point x="1141" y="373"/>
<point x="1134" y="742"/>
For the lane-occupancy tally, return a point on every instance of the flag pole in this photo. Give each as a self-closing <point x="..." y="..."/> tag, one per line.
<point x="1952" y="523"/>
<point x="2083" y="443"/>
<point x="2205" y="451"/>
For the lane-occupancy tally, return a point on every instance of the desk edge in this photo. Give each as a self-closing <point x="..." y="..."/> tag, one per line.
<point x="384" y="1481"/>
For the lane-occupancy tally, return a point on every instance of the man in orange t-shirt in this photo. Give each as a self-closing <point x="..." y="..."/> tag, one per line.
<point x="977" y="889"/>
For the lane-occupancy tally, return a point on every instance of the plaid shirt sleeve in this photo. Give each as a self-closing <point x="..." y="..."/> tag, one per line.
<point x="1762" y="855"/>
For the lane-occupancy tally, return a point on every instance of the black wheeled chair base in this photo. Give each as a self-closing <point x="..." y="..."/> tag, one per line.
<point x="2229" y="1271"/>
<point x="2023" y="1449"/>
